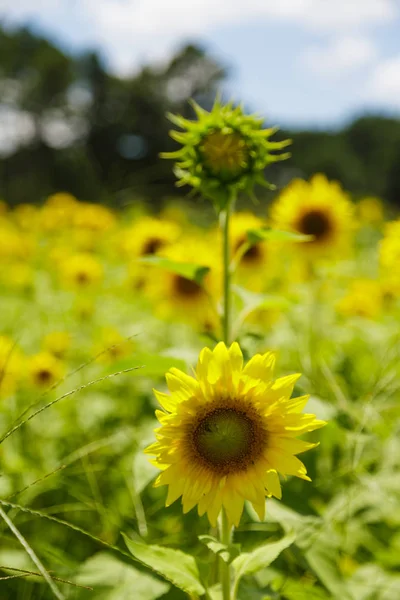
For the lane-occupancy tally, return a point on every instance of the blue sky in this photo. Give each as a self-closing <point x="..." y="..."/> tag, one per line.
<point x="299" y="62"/>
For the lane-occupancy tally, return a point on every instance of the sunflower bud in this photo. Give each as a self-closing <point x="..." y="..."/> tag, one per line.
<point x="223" y="152"/>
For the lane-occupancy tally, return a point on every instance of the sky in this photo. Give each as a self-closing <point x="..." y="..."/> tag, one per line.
<point x="301" y="63"/>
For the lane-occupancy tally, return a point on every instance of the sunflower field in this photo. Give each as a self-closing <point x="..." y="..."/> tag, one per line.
<point x="266" y="332"/>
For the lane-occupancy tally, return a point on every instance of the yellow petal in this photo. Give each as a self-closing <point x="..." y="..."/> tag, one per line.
<point x="287" y="464"/>
<point x="182" y="385"/>
<point x="291" y="445"/>
<point x="261" y="366"/>
<point x="166" y="400"/>
<point x="272" y="483"/>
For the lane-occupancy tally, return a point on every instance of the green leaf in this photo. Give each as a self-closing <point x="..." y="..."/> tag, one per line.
<point x="150" y="365"/>
<point x="176" y="566"/>
<point x="119" y="579"/>
<point x="187" y="270"/>
<point x="265" y="234"/>
<point x="227" y="553"/>
<point x="253" y="300"/>
<point x="251" y="562"/>
<point x="322" y="557"/>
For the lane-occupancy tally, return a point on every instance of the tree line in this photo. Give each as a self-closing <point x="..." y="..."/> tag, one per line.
<point x="66" y="123"/>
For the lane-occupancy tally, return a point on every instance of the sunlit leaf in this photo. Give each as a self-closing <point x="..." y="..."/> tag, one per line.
<point x="176" y="566"/>
<point x="187" y="270"/>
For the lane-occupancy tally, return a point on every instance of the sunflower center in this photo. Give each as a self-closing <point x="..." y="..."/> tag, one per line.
<point x="253" y="254"/>
<point x="44" y="376"/>
<point x="225" y="154"/>
<point x="82" y="277"/>
<point x="186" y="287"/>
<point x="224" y="439"/>
<point x="316" y="223"/>
<point x="152" y="246"/>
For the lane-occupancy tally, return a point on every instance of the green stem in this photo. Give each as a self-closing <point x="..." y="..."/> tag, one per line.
<point x="225" y="572"/>
<point x="226" y="318"/>
<point x="225" y="528"/>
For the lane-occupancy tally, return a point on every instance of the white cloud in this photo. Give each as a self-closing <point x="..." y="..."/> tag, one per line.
<point x="135" y="30"/>
<point x="340" y="57"/>
<point x="384" y="84"/>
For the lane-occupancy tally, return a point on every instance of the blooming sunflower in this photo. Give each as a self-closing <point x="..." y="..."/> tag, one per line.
<point x="148" y="236"/>
<point x="389" y="257"/>
<point x="223" y="152"/>
<point x="11" y="365"/>
<point x="319" y="208"/>
<point x="364" y="299"/>
<point x="57" y="343"/>
<point x="227" y="432"/>
<point x="176" y="296"/>
<point x="44" y="369"/>
<point x="81" y="270"/>
<point x="257" y="262"/>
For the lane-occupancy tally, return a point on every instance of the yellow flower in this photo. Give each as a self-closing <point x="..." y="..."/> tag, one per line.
<point x="257" y="263"/>
<point x="11" y="365"/>
<point x="81" y="270"/>
<point x="227" y="432"/>
<point x="178" y="298"/>
<point x="58" y="212"/>
<point x="148" y="236"/>
<point x="364" y="299"/>
<point x="44" y="369"/>
<point x="57" y="343"/>
<point x="389" y="258"/>
<point x="370" y="211"/>
<point x="93" y="217"/>
<point x="319" y="208"/>
<point x="112" y="346"/>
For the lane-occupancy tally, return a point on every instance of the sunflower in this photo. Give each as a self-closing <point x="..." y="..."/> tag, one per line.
<point x="176" y="296"/>
<point x="223" y="152"/>
<point x="227" y="432"/>
<point x="81" y="270"/>
<point x="11" y="365"/>
<point x="364" y="299"/>
<point x="44" y="369"/>
<point x="319" y="208"/>
<point x="370" y="211"/>
<point x="148" y="236"/>
<point x="256" y="263"/>
<point x="57" y="343"/>
<point x="389" y="257"/>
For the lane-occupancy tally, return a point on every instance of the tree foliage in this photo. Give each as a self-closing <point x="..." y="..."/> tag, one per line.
<point x="68" y="124"/>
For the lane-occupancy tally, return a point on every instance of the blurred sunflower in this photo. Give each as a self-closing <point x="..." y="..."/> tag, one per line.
<point x="227" y="432"/>
<point x="148" y="236"/>
<point x="112" y="346"/>
<point x="319" y="208"/>
<point x="80" y="270"/>
<point x="11" y="365"/>
<point x="364" y="299"/>
<point x="58" y="211"/>
<point x="256" y="262"/>
<point x="57" y="343"/>
<point x="178" y="298"/>
<point x="44" y="369"/>
<point x="389" y="259"/>
<point x="370" y="211"/>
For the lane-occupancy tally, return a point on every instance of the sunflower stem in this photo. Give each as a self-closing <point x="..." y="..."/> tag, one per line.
<point x="225" y="572"/>
<point x="226" y="316"/>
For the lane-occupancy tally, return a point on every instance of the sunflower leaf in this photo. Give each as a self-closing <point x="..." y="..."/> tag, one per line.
<point x="251" y="562"/>
<point x="190" y="271"/>
<point x="176" y="566"/>
<point x="266" y="234"/>
<point x="227" y="552"/>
